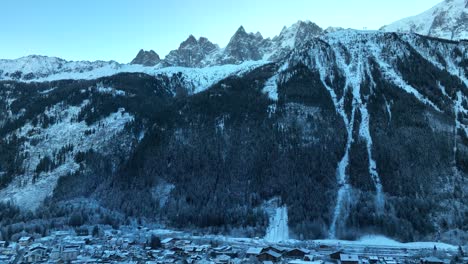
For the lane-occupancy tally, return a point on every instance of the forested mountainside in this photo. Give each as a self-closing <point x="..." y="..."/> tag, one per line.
<point x="356" y="132"/>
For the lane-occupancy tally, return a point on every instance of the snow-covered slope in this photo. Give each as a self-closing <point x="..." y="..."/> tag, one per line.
<point x="448" y="20"/>
<point x="346" y="62"/>
<point x="45" y="69"/>
<point x="31" y="188"/>
<point x="41" y="68"/>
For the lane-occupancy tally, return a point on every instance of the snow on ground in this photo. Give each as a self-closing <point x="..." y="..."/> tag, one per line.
<point x="278" y="228"/>
<point x="364" y="132"/>
<point x="371" y="241"/>
<point x="47" y="69"/>
<point x="109" y="90"/>
<point x="161" y="193"/>
<point x="449" y="12"/>
<point x="375" y="240"/>
<point x="203" y="78"/>
<point x="271" y="88"/>
<point x="431" y="52"/>
<point x="50" y="140"/>
<point x="397" y="80"/>
<point x="458" y="108"/>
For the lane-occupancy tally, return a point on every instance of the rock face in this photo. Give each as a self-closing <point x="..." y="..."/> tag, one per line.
<point x="146" y="58"/>
<point x="448" y="20"/>
<point x="244" y="46"/>
<point x="191" y="53"/>
<point x="291" y="37"/>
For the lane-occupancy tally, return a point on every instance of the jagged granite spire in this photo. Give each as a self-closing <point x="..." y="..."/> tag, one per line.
<point x="146" y="58"/>
<point x="191" y="53"/>
<point x="244" y="46"/>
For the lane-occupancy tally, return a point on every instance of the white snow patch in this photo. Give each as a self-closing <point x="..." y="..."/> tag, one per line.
<point x="391" y="75"/>
<point x="109" y="90"/>
<point x="278" y="228"/>
<point x="375" y="240"/>
<point x="66" y="131"/>
<point x="161" y="193"/>
<point x="451" y="12"/>
<point x="364" y="132"/>
<point x="52" y="69"/>
<point x="271" y="88"/>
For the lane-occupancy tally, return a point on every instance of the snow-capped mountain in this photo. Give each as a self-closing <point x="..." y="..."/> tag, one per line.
<point x="39" y="67"/>
<point x="351" y="131"/>
<point x="192" y="53"/>
<point x="448" y="20"/>
<point x="292" y="37"/>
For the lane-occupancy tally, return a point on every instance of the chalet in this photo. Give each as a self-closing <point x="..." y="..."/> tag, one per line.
<point x="68" y="255"/>
<point x="39" y="248"/>
<point x="297" y="253"/>
<point x="431" y="260"/>
<point x="269" y="255"/>
<point x="82" y="231"/>
<point x="254" y="251"/>
<point x="201" y="249"/>
<point x="223" y="259"/>
<point x="194" y="258"/>
<point x="389" y="260"/>
<point x="336" y="255"/>
<point x="2" y="244"/>
<point x="177" y="249"/>
<point x="10" y="249"/>
<point x="167" y="242"/>
<point x="222" y="248"/>
<point x="55" y="254"/>
<point x="310" y="257"/>
<point x="169" y="253"/>
<point x="373" y="259"/>
<point x="25" y="241"/>
<point x="182" y="243"/>
<point x="276" y="249"/>
<point x="349" y="259"/>
<point x="189" y="249"/>
<point x="36" y="253"/>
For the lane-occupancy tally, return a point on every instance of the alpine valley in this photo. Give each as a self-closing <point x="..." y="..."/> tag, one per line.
<point x="339" y="132"/>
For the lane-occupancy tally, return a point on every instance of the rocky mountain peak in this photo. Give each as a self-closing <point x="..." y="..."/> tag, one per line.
<point x="191" y="52"/>
<point x="291" y="37"/>
<point x="189" y="42"/>
<point x="244" y="46"/>
<point x="298" y="32"/>
<point x="241" y="30"/>
<point x="146" y="58"/>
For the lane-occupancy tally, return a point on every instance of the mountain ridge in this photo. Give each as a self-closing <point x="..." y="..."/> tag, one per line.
<point x="447" y="20"/>
<point x="371" y="124"/>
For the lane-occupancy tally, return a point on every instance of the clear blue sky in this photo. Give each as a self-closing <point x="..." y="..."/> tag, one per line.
<point x="117" y="29"/>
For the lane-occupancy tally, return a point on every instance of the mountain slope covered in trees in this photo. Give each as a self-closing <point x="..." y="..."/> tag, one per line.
<point x="355" y="132"/>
